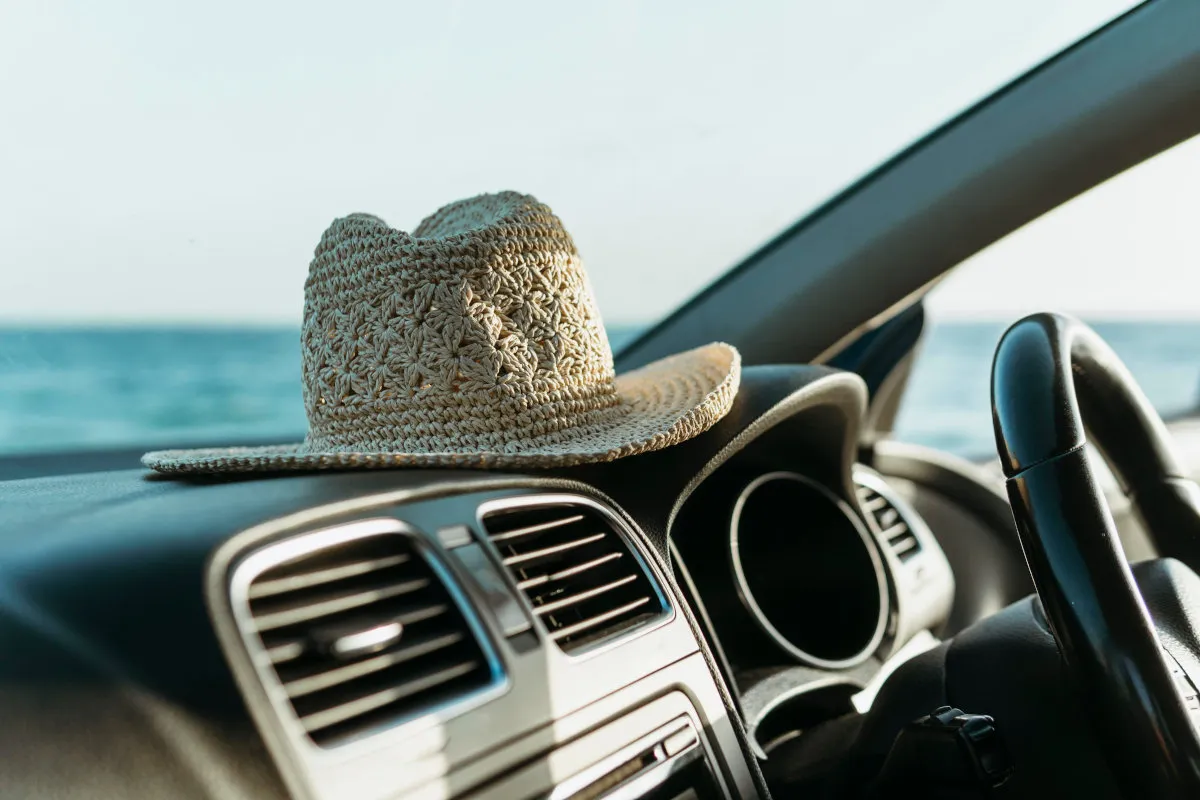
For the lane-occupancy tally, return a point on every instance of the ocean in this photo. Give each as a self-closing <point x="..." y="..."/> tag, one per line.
<point x="112" y="387"/>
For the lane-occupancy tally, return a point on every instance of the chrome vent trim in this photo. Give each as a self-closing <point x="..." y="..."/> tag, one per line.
<point x="883" y="511"/>
<point x="577" y="568"/>
<point x="359" y="628"/>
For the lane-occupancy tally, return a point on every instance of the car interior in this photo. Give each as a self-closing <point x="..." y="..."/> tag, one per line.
<point x="790" y="604"/>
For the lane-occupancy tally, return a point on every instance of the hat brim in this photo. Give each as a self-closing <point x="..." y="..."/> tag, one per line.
<point x="665" y="402"/>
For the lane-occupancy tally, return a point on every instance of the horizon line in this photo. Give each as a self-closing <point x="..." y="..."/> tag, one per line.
<point x="934" y="318"/>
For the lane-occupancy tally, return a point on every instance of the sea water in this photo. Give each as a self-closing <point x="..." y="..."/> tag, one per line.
<point x="133" y="387"/>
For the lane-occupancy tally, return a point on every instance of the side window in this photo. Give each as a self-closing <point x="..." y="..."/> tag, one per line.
<point x="1124" y="257"/>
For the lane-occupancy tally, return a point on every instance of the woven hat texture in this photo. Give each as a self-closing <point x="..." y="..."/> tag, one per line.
<point x="474" y="341"/>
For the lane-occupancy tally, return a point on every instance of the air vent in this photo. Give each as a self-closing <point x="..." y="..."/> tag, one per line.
<point x="576" y="569"/>
<point x="360" y="631"/>
<point x="888" y="521"/>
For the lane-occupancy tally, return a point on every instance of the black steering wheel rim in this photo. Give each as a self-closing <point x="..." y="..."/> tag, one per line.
<point x="1054" y="381"/>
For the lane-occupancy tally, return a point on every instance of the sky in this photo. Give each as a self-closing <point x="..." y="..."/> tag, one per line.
<point x="172" y="162"/>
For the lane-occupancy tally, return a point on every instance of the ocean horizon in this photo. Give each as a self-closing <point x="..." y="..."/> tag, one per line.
<point x="91" y="387"/>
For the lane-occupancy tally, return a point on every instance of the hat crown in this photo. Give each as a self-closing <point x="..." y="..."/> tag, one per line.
<point x="447" y="335"/>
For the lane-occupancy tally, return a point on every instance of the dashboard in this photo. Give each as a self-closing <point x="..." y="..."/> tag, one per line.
<point x="809" y="593"/>
<point x="662" y="626"/>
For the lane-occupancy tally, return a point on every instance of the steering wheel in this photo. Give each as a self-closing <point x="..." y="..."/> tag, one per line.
<point x="1053" y="379"/>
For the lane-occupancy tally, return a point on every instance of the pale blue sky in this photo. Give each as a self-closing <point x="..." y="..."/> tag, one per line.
<point x="178" y="162"/>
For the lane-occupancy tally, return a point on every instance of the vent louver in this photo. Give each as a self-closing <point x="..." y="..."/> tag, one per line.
<point x="577" y="571"/>
<point x="362" y="633"/>
<point x="888" y="521"/>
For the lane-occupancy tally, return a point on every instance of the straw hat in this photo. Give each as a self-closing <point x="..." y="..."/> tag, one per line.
<point x="475" y="341"/>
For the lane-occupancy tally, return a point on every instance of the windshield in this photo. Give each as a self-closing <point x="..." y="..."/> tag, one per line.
<point x="168" y="169"/>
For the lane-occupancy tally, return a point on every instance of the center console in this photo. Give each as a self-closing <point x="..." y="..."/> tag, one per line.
<point x="511" y="644"/>
<point x="668" y="760"/>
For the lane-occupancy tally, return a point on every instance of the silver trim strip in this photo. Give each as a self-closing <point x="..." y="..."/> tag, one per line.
<point x="309" y="612"/>
<point x="346" y="711"/>
<point x="296" y="582"/>
<point x="534" y="555"/>
<point x="570" y="571"/>
<point x="324" y="680"/>
<point x="600" y="619"/>
<point x="545" y="526"/>
<point x="809" y="687"/>
<point x="747" y="596"/>
<point x="641" y="782"/>
<point x="571" y="600"/>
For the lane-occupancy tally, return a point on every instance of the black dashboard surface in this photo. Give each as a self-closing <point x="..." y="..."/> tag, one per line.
<point x="113" y="675"/>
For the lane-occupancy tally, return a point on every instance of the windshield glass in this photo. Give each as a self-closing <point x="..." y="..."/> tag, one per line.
<point x="1120" y="256"/>
<point x="168" y="169"/>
